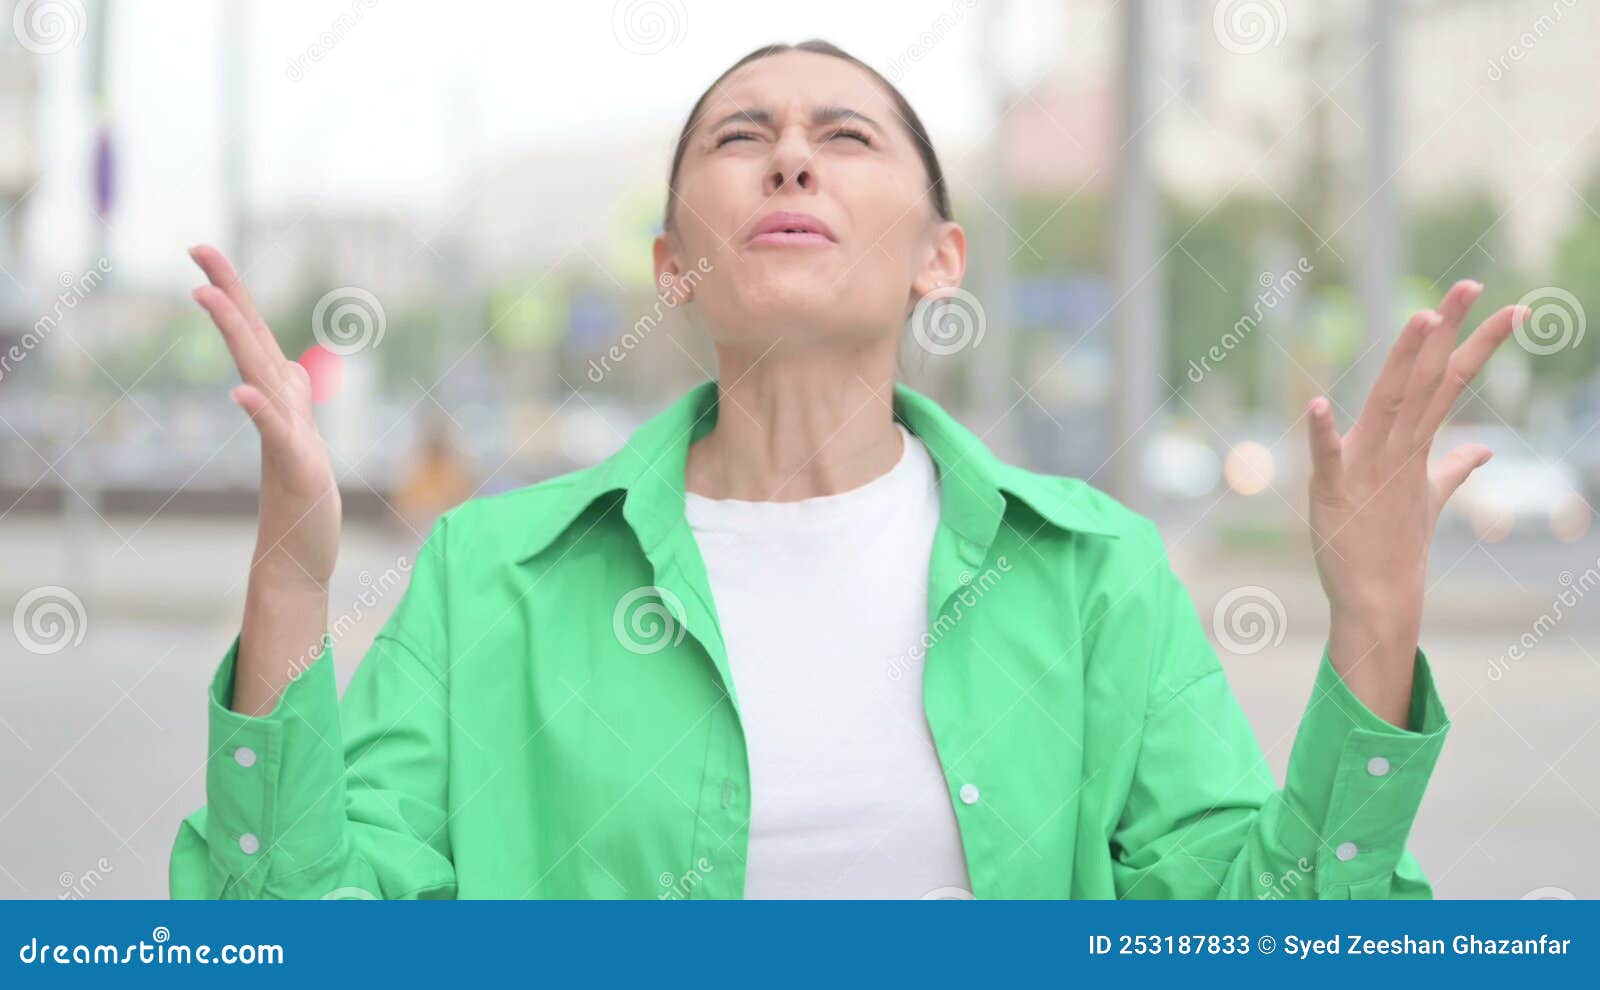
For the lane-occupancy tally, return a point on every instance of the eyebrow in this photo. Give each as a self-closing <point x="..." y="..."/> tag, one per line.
<point x="762" y="117"/>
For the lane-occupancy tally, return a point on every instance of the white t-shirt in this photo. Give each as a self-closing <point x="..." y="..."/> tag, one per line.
<point x="819" y="600"/>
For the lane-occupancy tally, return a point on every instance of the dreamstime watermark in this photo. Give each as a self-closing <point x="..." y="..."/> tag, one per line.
<point x="1248" y="619"/>
<point x="1572" y="591"/>
<point x="648" y="620"/>
<point x="649" y="27"/>
<point x="1245" y="27"/>
<point x="673" y="293"/>
<point x="1284" y="884"/>
<point x="327" y="40"/>
<point x="45" y="27"/>
<point x="928" y="39"/>
<point x="74" y="290"/>
<point x="1549" y="894"/>
<point x="1274" y="290"/>
<point x="1519" y="49"/>
<point x="160" y="950"/>
<point x="77" y="887"/>
<point x="1555" y="321"/>
<point x="675" y="888"/>
<point x="972" y="590"/>
<point x="948" y="894"/>
<point x="373" y="591"/>
<point x="49" y="619"/>
<point x="947" y="320"/>
<point x="347" y="320"/>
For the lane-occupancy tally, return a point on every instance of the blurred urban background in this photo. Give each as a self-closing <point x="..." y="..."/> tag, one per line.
<point x="1186" y="218"/>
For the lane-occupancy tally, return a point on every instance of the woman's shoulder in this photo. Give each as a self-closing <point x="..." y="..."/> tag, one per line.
<point x="518" y="521"/>
<point x="1072" y="503"/>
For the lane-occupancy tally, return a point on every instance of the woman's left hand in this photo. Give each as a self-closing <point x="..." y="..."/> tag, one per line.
<point x="1375" y="499"/>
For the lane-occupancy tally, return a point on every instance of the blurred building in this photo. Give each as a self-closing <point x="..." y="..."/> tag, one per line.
<point x="19" y="173"/>
<point x="1492" y="96"/>
<point x="297" y="249"/>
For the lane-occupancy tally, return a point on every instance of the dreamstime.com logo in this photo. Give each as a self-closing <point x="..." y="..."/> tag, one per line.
<point x="347" y="320"/>
<point x="160" y="950"/>
<point x="327" y="40"/>
<point x="373" y="590"/>
<point x="1525" y="41"/>
<point x="671" y="293"/>
<point x="74" y="290"/>
<point x="45" y="27"/>
<point x="49" y="619"/>
<point x="648" y="620"/>
<point x="947" y="320"/>
<point x="1277" y="887"/>
<point x="1245" y="27"/>
<point x="78" y="887"/>
<point x="944" y="24"/>
<point x="677" y="888"/>
<point x="649" y="27"/>
<point x="1249" y="619"/>
<point x="966" y="597"/>
<point x="1555" y="321"/>
<point x="1573" y="589"/>
<point x="1274" y="290"/>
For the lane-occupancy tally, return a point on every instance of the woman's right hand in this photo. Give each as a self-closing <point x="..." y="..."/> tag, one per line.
<point x="297" y="535"/>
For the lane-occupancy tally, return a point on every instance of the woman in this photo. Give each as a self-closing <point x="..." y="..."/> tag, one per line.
<point x="804" y="636"/>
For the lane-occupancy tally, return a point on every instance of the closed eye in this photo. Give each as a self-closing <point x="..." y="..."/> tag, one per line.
<point x="735" y="136"/>
<point x="847" y="132"/>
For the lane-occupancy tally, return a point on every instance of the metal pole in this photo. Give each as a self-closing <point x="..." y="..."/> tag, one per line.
<point x="991" y="360"/>
<point x="1139" y="347"/>
<point x="235" y="131"/>
<point x="1379" y="230"/>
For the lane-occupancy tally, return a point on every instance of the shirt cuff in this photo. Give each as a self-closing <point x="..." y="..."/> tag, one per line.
<point x="274" y="783"/>
<point x="1355" y="781"/>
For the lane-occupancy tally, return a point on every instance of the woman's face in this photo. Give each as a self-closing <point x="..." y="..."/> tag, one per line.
<point x="817" y="138"/>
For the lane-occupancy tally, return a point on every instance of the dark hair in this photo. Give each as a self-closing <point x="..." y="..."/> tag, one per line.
<point x="919" y="133"/>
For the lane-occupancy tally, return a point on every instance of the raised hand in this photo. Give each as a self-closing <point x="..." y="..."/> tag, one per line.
<point x="1375" y="499"/>
<point x="297" y="532"/>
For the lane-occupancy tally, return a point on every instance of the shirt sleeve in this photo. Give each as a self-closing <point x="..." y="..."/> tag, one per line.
<point x="1204" y="817"/>
<point x="323" y="799"/>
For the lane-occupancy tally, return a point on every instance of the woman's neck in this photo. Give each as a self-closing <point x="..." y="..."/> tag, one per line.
<point x="796" y="426"/>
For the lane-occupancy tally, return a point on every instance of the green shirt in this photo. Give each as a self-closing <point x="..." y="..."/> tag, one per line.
<point x="516" y="730"/>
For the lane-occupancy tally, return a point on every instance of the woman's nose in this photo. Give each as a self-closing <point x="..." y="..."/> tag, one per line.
<point x="790" y="163"/>
<point x="799" y="175"/>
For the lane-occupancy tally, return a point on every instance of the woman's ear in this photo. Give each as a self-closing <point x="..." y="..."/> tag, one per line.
<point x="671" y="286"/>
<point x="945" y="261"/>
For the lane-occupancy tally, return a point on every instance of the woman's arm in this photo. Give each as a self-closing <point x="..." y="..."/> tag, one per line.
<point x="297" y="527"/>
<point x="298" y="804"/>
<point x="320" y="799"/>
<point x="1204" y="816"/>
<point x="1375" y="500"/>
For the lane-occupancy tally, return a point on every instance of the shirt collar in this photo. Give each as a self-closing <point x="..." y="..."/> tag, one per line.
<point x="649" y="470"/>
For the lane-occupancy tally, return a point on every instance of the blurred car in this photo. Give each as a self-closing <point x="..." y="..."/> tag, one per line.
<point x="1523" y="492"/>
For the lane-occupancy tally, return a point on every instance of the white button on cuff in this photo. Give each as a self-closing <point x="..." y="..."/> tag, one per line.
<point x="969" y="793"/>
<point x="1346" y="851"/>
<point x="244" y="756"/>
<point x="1377" y="766"/>
<point x="249" y="844"/>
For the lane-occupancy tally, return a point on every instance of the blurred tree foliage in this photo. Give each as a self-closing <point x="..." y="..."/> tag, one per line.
<point x="1221" y="253"/>
<point x="1577" y="270"/>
